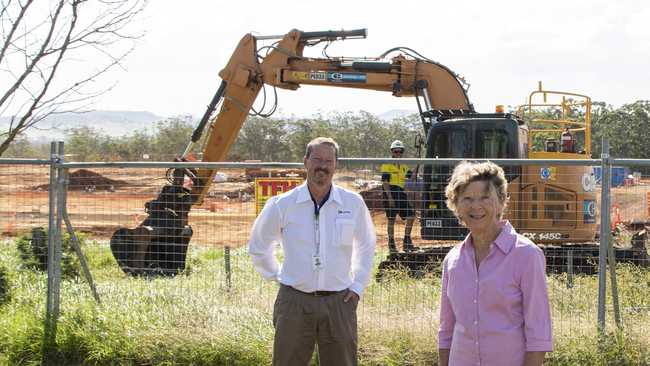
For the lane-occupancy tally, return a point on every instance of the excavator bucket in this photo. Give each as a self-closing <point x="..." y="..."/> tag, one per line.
<point x="158" y="246"/>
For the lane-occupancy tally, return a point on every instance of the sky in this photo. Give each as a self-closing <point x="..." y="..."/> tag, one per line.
<point x="502" y="48"/>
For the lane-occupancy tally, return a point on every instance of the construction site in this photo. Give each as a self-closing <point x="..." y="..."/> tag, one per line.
<point x="102" y="200"/>
<point x="162" y="246"/>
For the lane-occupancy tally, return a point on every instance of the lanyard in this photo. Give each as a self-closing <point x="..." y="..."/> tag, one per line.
<point x="317" y="208"/>
<point x="317" y="234"/>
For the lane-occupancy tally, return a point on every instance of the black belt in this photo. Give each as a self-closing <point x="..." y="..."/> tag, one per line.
<point x="315" y="293"/>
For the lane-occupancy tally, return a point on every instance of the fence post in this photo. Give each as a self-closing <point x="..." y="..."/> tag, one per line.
<point x="569" y="269"/>
<point x="226" y="259"/>
<point x="612" y="277"/>
<point x="604" y="233"/>
<point x="53" y="252"/>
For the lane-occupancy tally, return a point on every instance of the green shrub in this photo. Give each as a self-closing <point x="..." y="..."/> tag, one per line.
<point x="5" y="285"/>
<point x="32" y="249"/>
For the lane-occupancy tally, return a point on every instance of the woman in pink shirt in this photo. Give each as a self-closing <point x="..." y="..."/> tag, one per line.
<point x="494" y="307"/>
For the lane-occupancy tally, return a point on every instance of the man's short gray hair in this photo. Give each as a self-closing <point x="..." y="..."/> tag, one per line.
<point x="322" y="141"/>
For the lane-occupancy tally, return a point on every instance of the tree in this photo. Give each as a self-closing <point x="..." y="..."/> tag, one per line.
<point x="172" y="136"/>
<point x="261" y="139"/>
<point x="24" y="148"/>
<point x="55" y="52"/>
<point x="85" y="143"/>
<point x="621" y="126"/>
<point x="303" y="130"/>
<point x="137" y="145"/>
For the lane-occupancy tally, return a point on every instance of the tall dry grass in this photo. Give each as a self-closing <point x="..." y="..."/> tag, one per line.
<point x="198" y="319"/>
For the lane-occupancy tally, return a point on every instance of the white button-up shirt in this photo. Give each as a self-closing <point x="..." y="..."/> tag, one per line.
<point x="347" y="241"/>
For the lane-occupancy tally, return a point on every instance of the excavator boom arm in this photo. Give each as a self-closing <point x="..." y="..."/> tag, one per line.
<point x="285" y="67"/>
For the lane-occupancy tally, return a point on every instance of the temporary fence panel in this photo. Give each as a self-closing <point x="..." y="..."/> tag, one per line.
<point x="630" y="220"/>
<point x="202" y="280"/>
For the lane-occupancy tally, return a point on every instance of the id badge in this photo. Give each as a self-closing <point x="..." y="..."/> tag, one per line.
<point x="316" y="263"/>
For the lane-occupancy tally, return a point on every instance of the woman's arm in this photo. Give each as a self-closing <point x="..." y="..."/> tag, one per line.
<point x="537" y="315"/>
<point x="447" y="317"/>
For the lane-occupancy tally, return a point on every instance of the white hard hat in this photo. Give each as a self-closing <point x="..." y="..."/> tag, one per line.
<point x="397" y="144"/>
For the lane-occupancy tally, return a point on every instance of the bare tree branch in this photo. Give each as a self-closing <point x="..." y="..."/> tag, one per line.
<point x="40" y="54"/>
<point x="15" y="25"/>
<point x="36" y="59"/>
<point x="5" y="6"/>
<point x="24" y="120"/>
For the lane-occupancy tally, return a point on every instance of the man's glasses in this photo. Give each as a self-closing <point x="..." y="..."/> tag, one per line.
<point x="320" y="161"/>
<point x="397" y="151"/>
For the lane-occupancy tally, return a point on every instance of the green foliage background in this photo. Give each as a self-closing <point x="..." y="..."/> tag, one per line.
<point x="265" y="139"/>
<point x="284" y="139"/>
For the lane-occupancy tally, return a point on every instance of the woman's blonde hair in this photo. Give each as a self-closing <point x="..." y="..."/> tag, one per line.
<point x="467" y="172"/>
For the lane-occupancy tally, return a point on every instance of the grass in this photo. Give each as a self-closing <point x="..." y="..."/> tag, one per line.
<point x="196" y="319"/>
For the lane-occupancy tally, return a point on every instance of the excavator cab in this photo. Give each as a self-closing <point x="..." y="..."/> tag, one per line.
<point x="475" y="136"/>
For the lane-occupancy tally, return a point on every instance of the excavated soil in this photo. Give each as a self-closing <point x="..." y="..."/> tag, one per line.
<point x="88" y="180"/>
<point x="101" y="200"/>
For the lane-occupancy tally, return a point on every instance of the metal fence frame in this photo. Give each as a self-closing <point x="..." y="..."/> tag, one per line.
<point x="58" y="192"/>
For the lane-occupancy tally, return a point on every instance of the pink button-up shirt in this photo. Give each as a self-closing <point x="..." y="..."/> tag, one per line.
<point x="495" y="315"/>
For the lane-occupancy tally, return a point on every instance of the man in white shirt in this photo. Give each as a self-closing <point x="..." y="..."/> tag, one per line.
<point x="328" y="240"/>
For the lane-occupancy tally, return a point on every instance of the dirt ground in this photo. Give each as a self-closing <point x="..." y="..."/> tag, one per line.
<point x="102" y="200"/>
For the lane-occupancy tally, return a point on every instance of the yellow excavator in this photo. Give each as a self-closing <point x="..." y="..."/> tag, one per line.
<point x="550" y="205"/>
<point x="159" y="244"/>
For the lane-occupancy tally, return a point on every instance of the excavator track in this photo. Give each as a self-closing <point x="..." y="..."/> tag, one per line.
<point x="579" y="258"/>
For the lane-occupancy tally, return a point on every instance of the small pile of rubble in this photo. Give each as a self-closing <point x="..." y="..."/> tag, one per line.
<point x="87" y="180"/>
<point x="241" y="193"/>
<point x="252" y="173"/>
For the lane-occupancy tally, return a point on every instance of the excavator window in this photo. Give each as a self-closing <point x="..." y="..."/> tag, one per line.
<point x="492" y="144"/>
<point x="497" y="143"/>
<point x="452" y="143"/>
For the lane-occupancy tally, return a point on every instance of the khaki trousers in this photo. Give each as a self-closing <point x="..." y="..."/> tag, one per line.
<point x="303" y="320"/>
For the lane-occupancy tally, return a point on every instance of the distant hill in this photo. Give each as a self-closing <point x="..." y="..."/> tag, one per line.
<point x="120" y="123"/>
<point x="113" y="123"/>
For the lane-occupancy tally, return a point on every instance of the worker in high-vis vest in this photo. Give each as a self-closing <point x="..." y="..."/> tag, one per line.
<point x="393" y="177"/>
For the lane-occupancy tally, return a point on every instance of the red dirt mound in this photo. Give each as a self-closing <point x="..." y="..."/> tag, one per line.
<point x="87" y="180"/>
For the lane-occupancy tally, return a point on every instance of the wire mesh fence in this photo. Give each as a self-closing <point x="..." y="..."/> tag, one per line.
<point x="171" y="255"/>
<point x="629" y="212"/>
